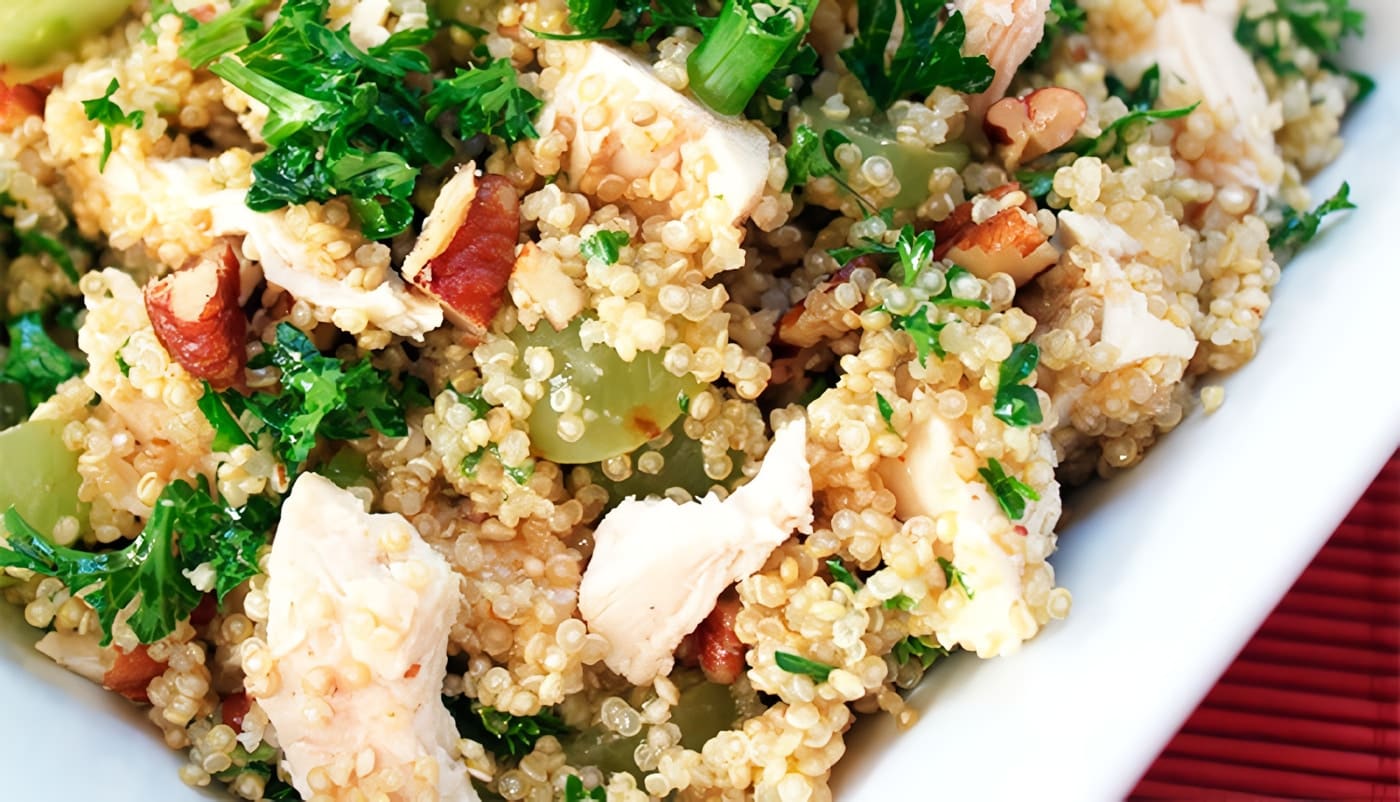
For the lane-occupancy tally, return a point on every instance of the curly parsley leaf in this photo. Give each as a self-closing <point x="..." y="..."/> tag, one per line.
<point x="146" y="577"/>
<point x="633" y="20"/>
<point x="489" y="100"/>
<point x="916" y="648"/>
<point x="927" y="56"/>
<point x="604" y="246"/>
<point x="1142" y="97"/>
<point x="107" y="113"/>
<point x="1015" y="403"/>
<point x="504" y="735"/>
<point x="796" y="664"/>
<point x="922" y="331"/>
<point x="202" y="43"/>
<point x="1011" y="493"/>
<point x="322" y="397"/>
<point x="842" y="574"/>
<point x="813" y="155"/>
<point x="228" y="435"/>
<point x="1297" y="230"/>
<point x="35" y="361"/>
<point x="1115" y="138"/>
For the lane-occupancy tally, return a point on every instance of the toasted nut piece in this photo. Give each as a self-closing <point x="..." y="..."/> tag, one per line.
<point x="718" y="650"/>
<point x="798" y="327"/>
<point x="196" y="316"/>
<point x="17" y="103"/>
<point x="1010" y="242"/>
<point x="1028" y="127"/>
<point x="466" y="252"/>
<point x="131" y="673"/>
<point x="959" y="221"/>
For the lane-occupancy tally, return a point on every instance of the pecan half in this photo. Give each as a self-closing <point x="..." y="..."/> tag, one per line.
<point x="1027" y="127"/>
<point x="996" y="233"/>
<point x="196" y="316"/>
<point x="466" y="253"/>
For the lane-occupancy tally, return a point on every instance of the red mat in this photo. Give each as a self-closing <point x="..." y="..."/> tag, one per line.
<point x="1311" y="707"/>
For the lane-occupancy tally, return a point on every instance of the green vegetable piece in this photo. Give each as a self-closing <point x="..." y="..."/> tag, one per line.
<point x="488" y="100"/>
<point x="348" y="468"/>
<point x="683" y="466"/>
<point x="228" y="435"/>
<point x="506" y="736"/>
<point x="743" y="48"/>
<point x="1012" y="494"/>
<point x="842" y="574"/>
<point x="900" y="602"/>
<point x="625" y="403"/>
<point x="110" y="115"/>
<point x="1297" y="230"/>
<point x="35" y="361"/>
<point x="886" y="411"/>
<point x="574" y="791"/>
<point x="40" y="479"/>
<point x="14" y="406"/>
<point x="927" y="56"/>
<point x="796" y="664"/>
<point x="953" y="576"/>
<point x="917" y="648"/>
<point x="1015" y="403"/>
<point x="32" y="33"/>
<point x="605" y="246"/>
<point x="703" y="710"/>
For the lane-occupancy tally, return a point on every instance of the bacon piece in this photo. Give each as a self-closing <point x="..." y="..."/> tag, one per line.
<point x="196" y="316"/>
<point x="468" y="273"/>
<point x="131" y="673"/>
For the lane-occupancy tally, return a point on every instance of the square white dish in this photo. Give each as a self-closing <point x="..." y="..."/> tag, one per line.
<point x="1172" y="566"/>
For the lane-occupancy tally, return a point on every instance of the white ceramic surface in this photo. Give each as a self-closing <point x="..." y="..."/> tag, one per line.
<point x="1173" y="566"/>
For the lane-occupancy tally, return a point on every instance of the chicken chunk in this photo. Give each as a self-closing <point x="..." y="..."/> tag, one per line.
<point x="674" y="156"/>
<point x="359" y="609"/>
<point x="1128" y="324"/>
<point x="659" y="567"/>
<point x="1006" y="32"/>
<point x="1003" y="562"/>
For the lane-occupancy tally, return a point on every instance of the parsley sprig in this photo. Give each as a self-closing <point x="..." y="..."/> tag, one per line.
<point x="1299" y="229"/>
<point x="1318" y="25"/>
<point x="107" y="113"/>
<point x="35" y="361"/>
<point x="952" y="575"/>
<point x="187" y="528"/>
<point x="928" y="55"/>
<point x="1015" y="403"/>
<point x="1011" y="493"/>
<point x="605" y="245"/>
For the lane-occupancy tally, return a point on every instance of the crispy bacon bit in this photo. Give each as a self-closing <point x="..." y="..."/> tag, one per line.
<point x="1008" y="240"/>
<point x="235" y="707"/>
<point x="718" y="650"/>
<point x="468" y="272"/>
<point x="196" y="316"/>
<point x="131" y="672"/>
<point x="1032" y="126"/>
<point x="18" y="103"/>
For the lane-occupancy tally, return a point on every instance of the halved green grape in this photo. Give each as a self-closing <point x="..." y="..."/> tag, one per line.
<point x="13" y="405"/>
<point x="683" y="466"/>
<point x="348" y="468"/>
<point x="704" y="710"/>
<point x="912" y="163"/>
<point x="31" y="33"/>
<point x="625" y="404"/>
<point x="40" y="478"/>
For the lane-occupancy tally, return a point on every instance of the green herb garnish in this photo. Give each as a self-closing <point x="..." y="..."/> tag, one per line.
<point x="1298" y="230"/>
<point x="1011" y="493"/>
<point x="228" y="435"/>
<point x="574" y="791"/>
<point x="35" y="361"/>
<point x="952" y="575"/>
<point x="795" y="664"/>
<point x="927" y="56"/>
<point x="900" y="602"/>
<point x="841" y="574"/>
<point x="506" y="736"/>
<point x="747" y="43"/>
<point x="488" y="100"/>
<point x="1016" y="404"/>
<point x="110" y="115"/>
<point x="917" y="648"/>
<point x="886" y="411"/>
<point x="604" y="246"/>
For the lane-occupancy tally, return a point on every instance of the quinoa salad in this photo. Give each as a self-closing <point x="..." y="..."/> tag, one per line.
<point x="606" y="399"/>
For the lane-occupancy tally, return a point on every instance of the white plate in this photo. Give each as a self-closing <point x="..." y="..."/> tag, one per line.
<point x="1173" y="566"/>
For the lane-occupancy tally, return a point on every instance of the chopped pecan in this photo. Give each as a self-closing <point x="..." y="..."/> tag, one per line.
<point x="131" y="672"/>
<point x="1008" y="240"/>
<point x="466" y="252"/>
<point x="718" y="650"/>
<point x="1027" y="127"/>
<point x="803" y="327"/>
<point x="196" y="316"/>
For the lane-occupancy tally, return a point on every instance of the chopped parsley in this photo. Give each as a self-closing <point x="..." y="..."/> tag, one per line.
<point x="636" y="20"/>
<point x="201" y="44"/>
<point x="915" y="253"/>
<point x="1298" y="230"/>
<point x="474" y="401"/>
<point x="228" y="435"/>
<point x="927" y="56"/>
<point x="1144" y="95"/>
<point x="34" y="241"/>
<point x="504" y="735"/>
<point x="683" y="403"/>
<point x="900" y="602"/>
<point x="520" y="473"/>
<point x="1016" y="404"/>
<point x="35" y="361"/>
<point x="914" y="647"/>
<point x="796" y="664"/>
<point x="575" y="792"/>
<point x="1011" y="493"/>
<point x="1037" y="183"/>
<point x="488" y="100"/>
<point x="1318" y="25"/>
<point x="186" y="529"/>
<point x="104" y="111"/>
<point x="322" y="397"/>
<point x="922" y="331"/>
<point x="886" y="411"/>
<point x="1114" y="139"/>
<point x="842" y="574"/>
<point x="812" y="155"/>
<point x="604" y="246"/>
<point x="952" y="575"/>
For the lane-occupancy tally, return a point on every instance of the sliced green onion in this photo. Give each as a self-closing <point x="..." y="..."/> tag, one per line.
<point x="729" y="64"/>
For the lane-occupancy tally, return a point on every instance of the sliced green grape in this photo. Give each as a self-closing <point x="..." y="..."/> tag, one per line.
<point x="31" y="33"/>
<point x="625" y="404"/>
<point x="683" y="466"/>
<point x="912" y="163"/>
<point x="40" y="479"/>
<point x="704" y="710"/>
<point x="13" y="405"/>
<point x="348" y="468"/>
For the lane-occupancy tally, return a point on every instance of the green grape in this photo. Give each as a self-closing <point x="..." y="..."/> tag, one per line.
<point x="13" y="404"/>
<point x="683" y="467"/>
<point x="40" y="476"/>
<point x="348" y="468"/>
<point x="704" y="710"/>
<point x="625" y="404"/>
<point x="30" y="33"/>
<point x="912" y="163"/>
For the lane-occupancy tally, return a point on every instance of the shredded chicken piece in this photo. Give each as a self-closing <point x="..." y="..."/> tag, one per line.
<point x="1006" y="32"/>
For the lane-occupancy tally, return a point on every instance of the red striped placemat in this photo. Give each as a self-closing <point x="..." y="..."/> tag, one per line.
<point x="1311" y="707"/>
